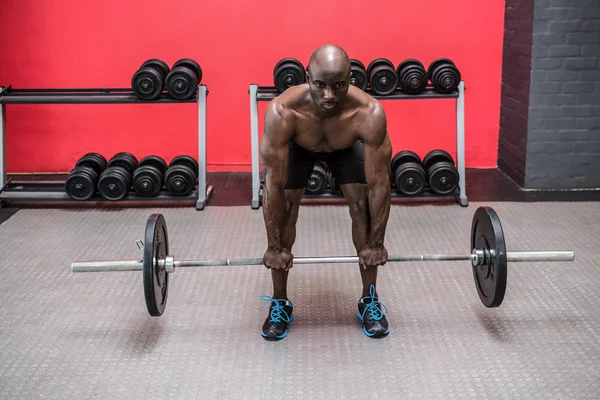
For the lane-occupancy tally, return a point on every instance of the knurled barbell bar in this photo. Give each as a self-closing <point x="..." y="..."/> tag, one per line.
<point x="488" y="258"/>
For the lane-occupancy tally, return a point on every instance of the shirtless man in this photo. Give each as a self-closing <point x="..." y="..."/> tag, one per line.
<point x="325" y="119"/>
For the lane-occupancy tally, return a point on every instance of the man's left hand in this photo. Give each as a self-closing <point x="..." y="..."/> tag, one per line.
<point x="372" y="256"/>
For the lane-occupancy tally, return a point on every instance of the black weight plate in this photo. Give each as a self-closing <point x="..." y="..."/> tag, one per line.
<point x="179" y="180"/>
<point x="147" y="180"/>
<point x="442" y="178"/>
<point x="435" y="64"/>
<point x="288" y="75"/>
<point x="124" y="160"/>
<point x="155" y="161"/>
<point x="191" y="64"/>
<point x="157" y="64"/>
<point x="490" y="279"/>
<point x="333" y="186"/>
<point x="317" y="183"/>
<point x="435" y="156"/>
<point x="156" y="279"/>
<point x="445" y="79"/>
<point x="95" y="161"/>
<point x="404" y="156"/>
<point x="147" y="83"/>
<point x="358" y="75"/>
<point x="383" y="79"/>
<point x="188" y="161"/>
<point x="181" y="83"/>
<point x="81" y="183"/>
<point x="409" y="178"/>
<point x="378" y="62"/>
<point x="358" y="63"/>
<point x="114" y="183"/>
<point x="412" y="76"/>
<point x="287" y="61"/>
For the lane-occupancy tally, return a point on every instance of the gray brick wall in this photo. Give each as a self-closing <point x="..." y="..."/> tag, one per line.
<point x="563" y="143"/>
<point x="516" y="64"/>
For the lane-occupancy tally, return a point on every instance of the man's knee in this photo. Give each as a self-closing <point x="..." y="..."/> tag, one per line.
<point x="358" y="207"/>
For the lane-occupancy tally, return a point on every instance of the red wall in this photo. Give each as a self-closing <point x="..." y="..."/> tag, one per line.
<point x="74" y="43"/>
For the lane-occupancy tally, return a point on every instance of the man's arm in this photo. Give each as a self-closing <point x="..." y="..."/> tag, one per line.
<point x="274" y="153"/>
<point x="378" y="152"/>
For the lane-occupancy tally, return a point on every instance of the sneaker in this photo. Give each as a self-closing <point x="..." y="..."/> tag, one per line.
<point x="280" y="315"/>
<point x="369" y="312"/>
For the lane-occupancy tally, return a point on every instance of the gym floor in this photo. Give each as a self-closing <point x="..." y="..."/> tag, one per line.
<point x="88" y="335"/>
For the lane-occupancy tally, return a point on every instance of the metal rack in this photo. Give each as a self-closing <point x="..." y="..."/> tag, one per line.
<point x="267" y="93"/>
<point x="54" y="190"/>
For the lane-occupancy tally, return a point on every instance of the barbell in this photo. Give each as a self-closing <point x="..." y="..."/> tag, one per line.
<point x="488" y="258"/>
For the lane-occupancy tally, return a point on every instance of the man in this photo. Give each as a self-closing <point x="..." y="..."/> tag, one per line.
<point x="331" y="120"/>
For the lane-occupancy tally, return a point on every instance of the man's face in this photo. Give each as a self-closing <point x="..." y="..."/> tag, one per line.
<point x="328" y="86"/>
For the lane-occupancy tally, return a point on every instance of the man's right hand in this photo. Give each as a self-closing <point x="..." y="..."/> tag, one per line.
<point x="278" y="259"/>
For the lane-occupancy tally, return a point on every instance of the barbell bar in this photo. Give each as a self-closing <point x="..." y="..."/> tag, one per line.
<point x="488" y="258"/>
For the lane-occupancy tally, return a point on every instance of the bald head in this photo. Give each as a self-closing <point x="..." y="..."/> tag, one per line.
<point x="329" y="58"/>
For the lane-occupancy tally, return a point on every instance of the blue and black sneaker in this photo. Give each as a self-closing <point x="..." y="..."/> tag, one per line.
<point x="280" y="315"/>
<point x="369" y="312"/>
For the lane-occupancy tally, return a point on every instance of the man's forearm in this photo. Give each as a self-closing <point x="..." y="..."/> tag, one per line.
<point x="273" y="211"/>
<point x="379" y="211"/>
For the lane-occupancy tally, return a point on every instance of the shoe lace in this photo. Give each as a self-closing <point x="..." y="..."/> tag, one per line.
<point x="373" y="306"/>
<point x="278" y="313"/>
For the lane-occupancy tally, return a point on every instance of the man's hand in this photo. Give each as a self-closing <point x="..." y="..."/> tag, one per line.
<point x="372" y="256"/>
<point x="278" y="259"/>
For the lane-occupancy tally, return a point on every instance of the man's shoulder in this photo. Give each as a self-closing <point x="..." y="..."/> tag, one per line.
<point x="283" y="105"/>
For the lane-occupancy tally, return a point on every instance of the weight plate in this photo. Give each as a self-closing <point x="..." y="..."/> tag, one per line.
<point x="444" y="75"/>
<point x="317" y="182"/>
<point x="436" y="156"/>
<point x="180" y="180"/>
<point x="287" y="61"/>
<point x="288" y="75"/>
<point x="436" y="63"/>
<point x="156" y="64"/>
<point x="334" y="187"/>
<point x="409" y="179"/>
<point x="188" y="161"/>
<point x="156" y="279"/>
<point x="114" y="183"/>
<point x="442" y="178"/>
<point x="404" y="156"/>
<point x="490" y="278"/>
<point x="358" y="75"/>
<point x="81" y="183"/>
<point x="123" y="160"/>
<point x="147" y="83"/>
<point x="412" y="76"/>
<point x="358" y="63"/>
<point x="383" y="79"/>
<point x="379" y="62"/>
<point x="147" y="180"/>
<point x="154" y="161"/>
<point x="181" y="83"/>
<point x="95" y="161"/>
<point x="191" y="64"/>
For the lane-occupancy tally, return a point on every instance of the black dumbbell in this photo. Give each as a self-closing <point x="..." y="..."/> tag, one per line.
<point x="334" y="187"/>
<point x="182" y="81"/>
<point x="382" y="76"/>
<point x="148" y="81"/>
<point x="148" y="178"/>
<point x="358" y="74"/>
<point x="442" y="175"/>
<point x="408" y="173"/>
<point x="181" y="176"/>
<point x="123" y="160"/>
<point x="444" y="75"/>
<point x="114" y="183"/>
<point x="82" y="180"/>
<point x="288" y="72"/>
<point x="317" y="183"/>
<point x="412" y="77"/>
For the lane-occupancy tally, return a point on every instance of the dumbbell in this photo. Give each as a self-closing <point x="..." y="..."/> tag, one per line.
<point x="382" y="76"/>
<point x="317" y="183"/>
<point x="82" y="180"/>
<point x="442" y="175"/>
<point x="358" y="74"/>
<point x="444" y="75"/>
<point x="288" y="72"/>
<point x="408" y="173"/>
<point x="115" y="181"/>
<point x="334" y="187"/>
<point x="412" y="77"/>
<point x="148" y="178"/>
<point x="182" y="81"/>
<point x="148" y="81"/>
<point x="181" y="176"/>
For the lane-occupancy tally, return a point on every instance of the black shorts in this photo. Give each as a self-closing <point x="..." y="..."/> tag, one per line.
<point x="346" y="165"/>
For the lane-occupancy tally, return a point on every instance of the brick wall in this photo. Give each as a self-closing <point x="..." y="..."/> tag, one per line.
<point x="560" y="147"/>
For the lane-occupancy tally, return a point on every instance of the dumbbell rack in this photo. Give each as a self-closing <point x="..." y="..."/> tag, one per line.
<point x="55" y="190"/>
<point x="267" y="93"/>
